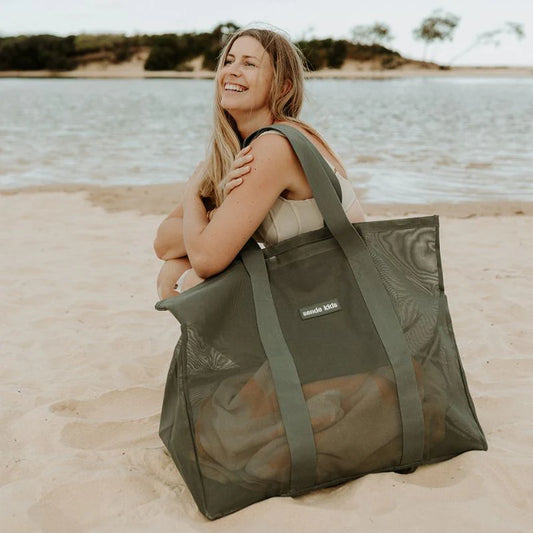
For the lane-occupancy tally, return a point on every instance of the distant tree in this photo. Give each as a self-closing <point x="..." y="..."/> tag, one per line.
<point x="321" y="53"/>
<point x="375" y="53"/>
<point x="216" y="42"/>
<point x="172" y="52"/>
<point x="211" y="56"/>
<point x="336" y="54"/>
<point x="97" y="42"/>
<point x="314" y="54"/>
<point x="223" y="31"/>
<point x="438" y="26"/>
<point x="37" y="52"/>
<point x="492" y="37"/>
<point x="378" y="33"/>
<point x="165" y="53"/>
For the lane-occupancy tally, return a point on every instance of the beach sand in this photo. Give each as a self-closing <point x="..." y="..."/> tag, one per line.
<point x="85" y="358"/>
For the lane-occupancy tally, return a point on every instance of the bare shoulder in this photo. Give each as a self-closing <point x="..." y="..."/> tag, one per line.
<point x="274" y="153"/>
<point x="271" y="143"/>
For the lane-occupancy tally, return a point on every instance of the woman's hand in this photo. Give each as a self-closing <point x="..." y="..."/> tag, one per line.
<point x="239" y="167"/>
<point x="169" y="240"/>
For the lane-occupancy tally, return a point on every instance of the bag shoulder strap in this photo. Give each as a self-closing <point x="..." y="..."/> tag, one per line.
<point x="367" y="277"/>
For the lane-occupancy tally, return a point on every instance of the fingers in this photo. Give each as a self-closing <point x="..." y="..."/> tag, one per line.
<point x="239" y="167"/>
<point x="232" y="184"/>
<point x="238" y="172"/>
<point x="242" y="159"/>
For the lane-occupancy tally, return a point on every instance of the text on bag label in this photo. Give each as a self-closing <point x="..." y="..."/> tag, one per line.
<point x="312" y="311"/>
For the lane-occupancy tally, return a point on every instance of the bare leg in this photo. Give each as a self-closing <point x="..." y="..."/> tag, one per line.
<point x="169" y="274"/>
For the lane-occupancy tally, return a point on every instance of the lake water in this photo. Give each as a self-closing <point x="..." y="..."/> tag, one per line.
<point x="412" y="140"/>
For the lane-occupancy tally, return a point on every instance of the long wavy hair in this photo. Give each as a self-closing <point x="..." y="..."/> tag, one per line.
<point x="288" y="64"/>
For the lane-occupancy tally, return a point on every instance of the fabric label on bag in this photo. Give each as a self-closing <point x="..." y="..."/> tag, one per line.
<point x="324" y="308"/>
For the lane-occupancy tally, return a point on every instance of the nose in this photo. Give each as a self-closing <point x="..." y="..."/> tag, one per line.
<point x="234" y="69"/>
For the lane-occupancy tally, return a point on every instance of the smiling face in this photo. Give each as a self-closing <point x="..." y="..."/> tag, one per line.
<point x="245" y="79"/>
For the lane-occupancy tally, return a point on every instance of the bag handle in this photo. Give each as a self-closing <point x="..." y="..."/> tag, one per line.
<point x="321" y="178"/>
<point x="289" y="393"/>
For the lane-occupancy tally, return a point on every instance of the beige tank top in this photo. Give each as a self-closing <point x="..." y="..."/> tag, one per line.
<point x="288" y="218"/>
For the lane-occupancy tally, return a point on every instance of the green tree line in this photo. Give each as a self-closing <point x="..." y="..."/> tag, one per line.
<point x="167" y="52"/>
<point x="175" y="51"/>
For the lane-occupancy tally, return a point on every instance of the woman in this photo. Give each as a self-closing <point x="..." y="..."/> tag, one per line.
<point x="259" y="82"/>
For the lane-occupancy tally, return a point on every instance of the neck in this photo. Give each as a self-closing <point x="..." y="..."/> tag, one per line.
<point x="248" y="123"/>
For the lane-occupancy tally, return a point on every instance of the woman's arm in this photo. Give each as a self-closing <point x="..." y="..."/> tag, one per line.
<point x="169" y="243"/>
<point x="212" y="247"/>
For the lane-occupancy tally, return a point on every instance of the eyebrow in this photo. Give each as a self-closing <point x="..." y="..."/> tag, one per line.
<point x="243" y="56"/>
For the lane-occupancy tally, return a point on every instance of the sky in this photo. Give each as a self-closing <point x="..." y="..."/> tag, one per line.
<point x="299" y="18"/>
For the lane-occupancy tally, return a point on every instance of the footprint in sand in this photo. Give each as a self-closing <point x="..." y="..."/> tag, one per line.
<point x="117" y="419"/>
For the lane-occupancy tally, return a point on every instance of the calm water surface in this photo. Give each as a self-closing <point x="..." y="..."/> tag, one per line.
<point x="407" y="140"/>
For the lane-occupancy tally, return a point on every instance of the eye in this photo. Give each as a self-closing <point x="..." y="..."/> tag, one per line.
<point x="250" y="64"/>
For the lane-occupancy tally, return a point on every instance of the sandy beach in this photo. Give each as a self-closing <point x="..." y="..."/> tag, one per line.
<point x="85" y="357"/>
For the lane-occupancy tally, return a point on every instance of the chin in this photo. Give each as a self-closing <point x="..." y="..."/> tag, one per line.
<point x="226" y="106"/>
<point x="228" y="109"/>
<point x="232" y="110"/>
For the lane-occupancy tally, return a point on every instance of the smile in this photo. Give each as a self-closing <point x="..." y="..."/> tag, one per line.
<point x="235" y="87"/>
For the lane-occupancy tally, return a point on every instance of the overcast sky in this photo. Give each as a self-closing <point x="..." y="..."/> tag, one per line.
<point x="300" y="18"/>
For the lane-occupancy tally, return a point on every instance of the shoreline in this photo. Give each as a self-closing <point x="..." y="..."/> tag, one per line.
<point x="136" y="71"/>
<point x="162" y="198"/>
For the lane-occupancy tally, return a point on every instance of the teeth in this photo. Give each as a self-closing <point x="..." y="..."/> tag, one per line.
<point x="232" y="87"/>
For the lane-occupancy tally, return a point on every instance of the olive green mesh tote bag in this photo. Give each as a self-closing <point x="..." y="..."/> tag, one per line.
<point x="317" y="360"/>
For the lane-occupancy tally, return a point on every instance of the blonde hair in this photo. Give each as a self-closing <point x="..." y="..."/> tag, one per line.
<point x="288" y="64"/>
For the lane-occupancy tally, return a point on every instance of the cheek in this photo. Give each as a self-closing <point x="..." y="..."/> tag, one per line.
<point x="267" y="88"/>
<point x="265" y="82"/>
